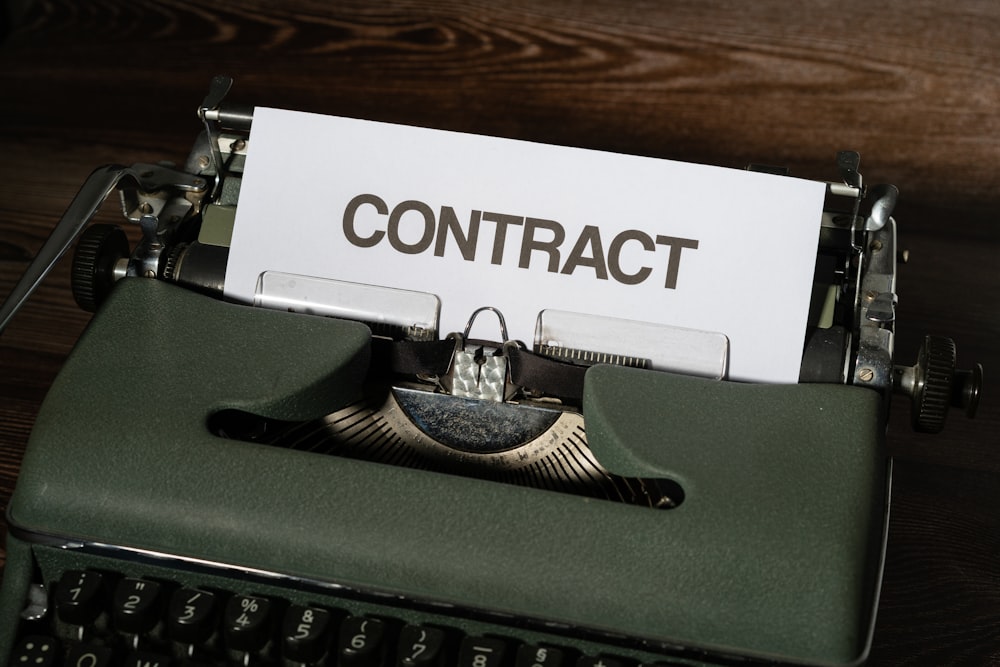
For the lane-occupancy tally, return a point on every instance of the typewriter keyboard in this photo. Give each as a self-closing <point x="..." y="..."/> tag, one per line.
<point x="99" y="616"/>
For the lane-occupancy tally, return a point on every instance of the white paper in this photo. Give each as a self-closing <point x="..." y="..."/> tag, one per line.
<point x="622" y="218"/>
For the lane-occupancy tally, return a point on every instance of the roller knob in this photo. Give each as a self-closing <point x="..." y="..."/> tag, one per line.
<point x="97" y="253"/>
<point x="934" y="384"/>
<point x="935" y="373"/>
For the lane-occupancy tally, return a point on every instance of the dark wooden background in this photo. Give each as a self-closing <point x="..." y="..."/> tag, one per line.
<point x="914" y="86"/>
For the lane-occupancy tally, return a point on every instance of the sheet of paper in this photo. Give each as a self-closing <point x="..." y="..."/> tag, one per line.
<point x="521" y="226"/>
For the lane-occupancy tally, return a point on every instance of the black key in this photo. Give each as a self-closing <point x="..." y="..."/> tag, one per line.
<point x="594" y="661"/>
<point x="191" y="615"/>
<point x="35" y="651"/>
<point x="145" y="659"/>
<point x="88" y="655"/>
<point x="247" y="622"/>
<point x="80" y="596"/>
<point x="136" y="605"/>
<point x="305" y="633"/>
<point x="482" y="652"/>
<point x="420" y="646"/>
<point x="539" y="656"/>
<point x="361" y="642"/>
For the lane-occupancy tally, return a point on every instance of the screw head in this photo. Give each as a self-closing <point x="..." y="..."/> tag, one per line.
<point x="866" y="374"/>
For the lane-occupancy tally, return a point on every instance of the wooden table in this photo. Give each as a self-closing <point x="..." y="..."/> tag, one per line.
<point x="913" y="86"/>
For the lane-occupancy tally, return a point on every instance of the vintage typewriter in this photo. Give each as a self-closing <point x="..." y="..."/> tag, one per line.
<point x="214" y="483"/>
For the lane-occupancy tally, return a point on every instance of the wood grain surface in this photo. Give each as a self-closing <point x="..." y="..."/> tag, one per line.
<point x="914" y="86"/>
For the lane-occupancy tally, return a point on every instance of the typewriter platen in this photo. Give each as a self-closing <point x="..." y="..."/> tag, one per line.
<point x="214" y="483"/>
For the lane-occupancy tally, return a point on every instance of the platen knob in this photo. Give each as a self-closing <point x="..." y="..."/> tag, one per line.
<point x="934" y="384"/>
<point x="97" y="253"/>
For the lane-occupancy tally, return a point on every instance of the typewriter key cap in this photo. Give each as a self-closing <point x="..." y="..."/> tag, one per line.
<point x="539" y="656"/>
<point x="35" y="651"/>
<point x="88" y="655"/>
<point x="146" y="659"/>
<point x="80" y="596"/>
<point x="305" y="633"/>
<point x="191" y="615"/>
<point x="595" y="661"/>
<point x="482" y="652"/>
<point x="247" y="623"/>
<point x="361" y="642"/>
<point x="420" y="646"/>
<point x="136" y="605"/>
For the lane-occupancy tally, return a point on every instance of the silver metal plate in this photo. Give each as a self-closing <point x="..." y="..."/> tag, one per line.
<point x="525" y="445"/>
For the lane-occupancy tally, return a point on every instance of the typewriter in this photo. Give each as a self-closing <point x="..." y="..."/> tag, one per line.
<point x="210" y="483"/>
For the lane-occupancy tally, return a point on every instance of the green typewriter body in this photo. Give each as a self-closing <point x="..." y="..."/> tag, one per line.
<point x="172" y="509"/>
<point x="773" y="553"/>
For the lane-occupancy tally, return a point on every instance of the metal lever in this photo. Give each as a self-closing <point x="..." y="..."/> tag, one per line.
<point x="848" y="163"/>
<point x="218" y="88"/>
<point x="216" y="117"/>
<point x="84" y="206"/>
<point x="885" y="197"/>
<point x="231" y="116"/>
